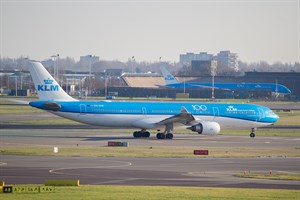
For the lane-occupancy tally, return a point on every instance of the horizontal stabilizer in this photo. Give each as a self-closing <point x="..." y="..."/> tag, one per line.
<point x="51" y="106"/>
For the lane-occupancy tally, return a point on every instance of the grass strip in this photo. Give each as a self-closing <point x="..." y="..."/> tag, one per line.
<point x="290" y="177"/>
<point x="108" y="192"/>
<point x="157" y="151"/>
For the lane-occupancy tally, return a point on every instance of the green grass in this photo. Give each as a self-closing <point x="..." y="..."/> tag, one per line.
<point x="290" y="177"/>
<point x="59" y="121"/>
<point x="5" y="109"/>
<point x="288" y="118"/>
<point x="157" y="151"/>
<point x="265" y="132"/>
<point x="108" y="192"/>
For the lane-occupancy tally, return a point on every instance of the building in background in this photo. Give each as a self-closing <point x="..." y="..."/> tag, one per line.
<point x="88" y="60"/>
<point x="201" y="67"/>
<point x="189" y="57"/>
<point x="227" y="60"/>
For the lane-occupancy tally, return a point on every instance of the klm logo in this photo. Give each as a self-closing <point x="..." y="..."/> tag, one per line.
<point x="231" y="109"/>
<point x="48" y="86"/>
<point x="169" y="78"/>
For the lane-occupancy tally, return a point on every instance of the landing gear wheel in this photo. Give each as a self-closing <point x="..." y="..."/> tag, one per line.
<point x="252" y="135"/>
<point x="160" y="136"/>
<point x="137" y="134"/>
<point x="169" y="136"/>
<point x="145" y="134"/>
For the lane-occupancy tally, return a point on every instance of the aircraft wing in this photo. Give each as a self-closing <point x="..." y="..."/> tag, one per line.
<point x="184" y="117"/>
<point x="209" y="87"/>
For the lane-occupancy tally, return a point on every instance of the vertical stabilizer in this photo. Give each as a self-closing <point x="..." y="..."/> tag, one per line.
<point x="46" y="86"/>
<point x="169" y="78"/>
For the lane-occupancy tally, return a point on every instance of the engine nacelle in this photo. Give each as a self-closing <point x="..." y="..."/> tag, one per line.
<point x="206" y="128"/>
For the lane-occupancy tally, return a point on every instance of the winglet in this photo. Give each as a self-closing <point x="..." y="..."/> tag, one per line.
<point x="184" y="110"/>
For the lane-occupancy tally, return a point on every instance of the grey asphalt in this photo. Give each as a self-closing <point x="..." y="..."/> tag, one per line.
<point x="208" y="172"/>
<point x="100" y="137"/>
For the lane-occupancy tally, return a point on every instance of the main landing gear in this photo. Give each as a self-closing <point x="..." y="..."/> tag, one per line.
<point x="252" y="134"/>
<point x="167" y="134"/>
<point x="146" y="134"/>
<point x="140" y="134"/>
<point x="164" y="136"/>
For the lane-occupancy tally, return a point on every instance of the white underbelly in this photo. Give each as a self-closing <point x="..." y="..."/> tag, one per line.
<point x="127" y="120"/>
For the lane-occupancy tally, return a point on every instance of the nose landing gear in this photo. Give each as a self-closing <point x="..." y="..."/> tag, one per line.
<point x="252" y="134"/>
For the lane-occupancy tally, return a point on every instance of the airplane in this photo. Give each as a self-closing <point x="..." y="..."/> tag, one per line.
<point x="204" y="118"/>
<point x="172" y="82"/>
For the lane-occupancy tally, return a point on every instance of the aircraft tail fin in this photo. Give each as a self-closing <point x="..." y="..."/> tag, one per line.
<point x="169" y="78"/>
<point x="46" y="86"/>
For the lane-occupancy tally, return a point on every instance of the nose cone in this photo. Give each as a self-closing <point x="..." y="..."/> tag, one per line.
<point x="271" y="117"/>
<point x="288" y="91"/>
<point x="268" y="116"/>
<point x="283" y="89"/>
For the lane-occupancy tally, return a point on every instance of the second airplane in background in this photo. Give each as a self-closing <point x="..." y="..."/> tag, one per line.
<point x="172" y="82"/>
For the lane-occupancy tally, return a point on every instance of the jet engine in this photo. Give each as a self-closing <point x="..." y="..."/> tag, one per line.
<point x="206" y="128"/>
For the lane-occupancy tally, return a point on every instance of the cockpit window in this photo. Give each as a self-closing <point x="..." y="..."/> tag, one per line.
<point x="269" y="112"/>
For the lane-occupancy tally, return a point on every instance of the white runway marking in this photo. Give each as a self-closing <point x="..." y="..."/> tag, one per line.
<point x="2" y="163"/>
<point x="56" y="171"/>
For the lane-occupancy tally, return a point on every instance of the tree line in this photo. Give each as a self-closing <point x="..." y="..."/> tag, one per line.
<point x="132" y="66"/>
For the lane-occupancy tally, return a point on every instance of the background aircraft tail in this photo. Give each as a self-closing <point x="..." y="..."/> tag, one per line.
<point x="46" y="86"/>
<point x="169" y="78"/>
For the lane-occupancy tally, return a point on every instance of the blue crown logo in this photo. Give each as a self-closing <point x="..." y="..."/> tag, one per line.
<point x="169" y="78"/>
<point x="48" y="81"/>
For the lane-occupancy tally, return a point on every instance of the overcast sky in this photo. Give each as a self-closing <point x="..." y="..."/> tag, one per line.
<point x="255" y="30"/>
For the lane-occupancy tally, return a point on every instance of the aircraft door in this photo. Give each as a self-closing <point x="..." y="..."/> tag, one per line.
<point x="144" y="110"/>
<point x="261" y="113"/>
<point x="82" y="109"/>
<point x="216" y="111"/>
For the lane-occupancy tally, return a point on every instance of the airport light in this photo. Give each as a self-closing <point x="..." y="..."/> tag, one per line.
<point x="90" y="64"/>
<point x="213" y="73"/>
<point x="55" y="74"/>
<point x="133" y="60"/>
<point x="107" y="77"/>
<point x="21" y="74"/>
<point x="16" y="81"/>
<point x="81" y="90"/>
